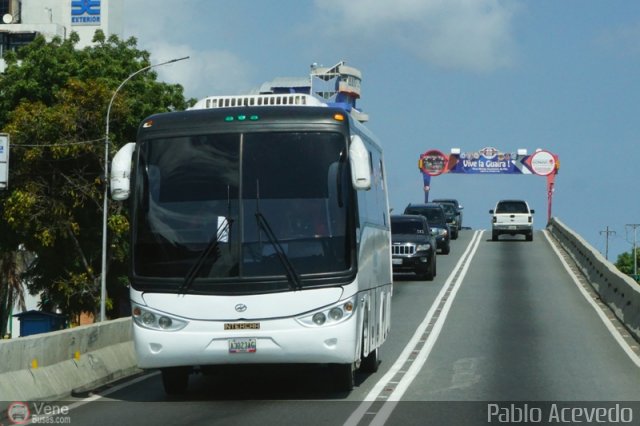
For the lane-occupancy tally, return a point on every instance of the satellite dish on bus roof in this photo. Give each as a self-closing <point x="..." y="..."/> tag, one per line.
<point x="7" y="18"/>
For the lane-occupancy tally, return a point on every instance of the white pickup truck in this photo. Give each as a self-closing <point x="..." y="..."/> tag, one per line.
<point x="512" y="217"/>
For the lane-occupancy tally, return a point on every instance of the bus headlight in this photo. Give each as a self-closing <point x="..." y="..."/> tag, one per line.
<point x="336" y="314"/>
<point x="319" y="318"/>
<point x="330" y="315"/>
<point x="146" y="318"/>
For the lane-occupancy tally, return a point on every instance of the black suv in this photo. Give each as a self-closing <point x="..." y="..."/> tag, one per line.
<point x="437" y="222"/>
<point x="413" y="247"/>
<point x="457" y="205"/>
<point x="451" y="214"/>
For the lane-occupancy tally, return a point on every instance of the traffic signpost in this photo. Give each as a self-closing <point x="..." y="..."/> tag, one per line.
<point x="4" y="160"/>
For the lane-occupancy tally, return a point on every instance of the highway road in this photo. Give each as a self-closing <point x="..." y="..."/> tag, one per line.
<point x="503" y="331"/>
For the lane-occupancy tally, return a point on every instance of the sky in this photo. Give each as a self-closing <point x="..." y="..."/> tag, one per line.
<point x="563" y="76"/>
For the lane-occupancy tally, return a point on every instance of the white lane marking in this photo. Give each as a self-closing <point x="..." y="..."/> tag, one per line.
<point x="419" y="357"/>
<point x="95" y="397"/>
<point x="603" y="316"/>
<point x="113" y="389"/>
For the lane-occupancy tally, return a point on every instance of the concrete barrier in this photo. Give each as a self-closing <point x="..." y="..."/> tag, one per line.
<point x="49" y="366"/>
<point x="619" y="291"/>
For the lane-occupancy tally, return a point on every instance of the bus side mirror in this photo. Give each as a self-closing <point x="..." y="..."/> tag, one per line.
<point x="121" y="172"/>
<point x="360" y="168"/>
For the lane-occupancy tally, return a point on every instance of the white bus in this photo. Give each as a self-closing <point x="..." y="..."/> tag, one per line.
<point x="260" y="234"/>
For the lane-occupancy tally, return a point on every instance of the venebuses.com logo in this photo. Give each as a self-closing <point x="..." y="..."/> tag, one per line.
<point x="19" y="413"/>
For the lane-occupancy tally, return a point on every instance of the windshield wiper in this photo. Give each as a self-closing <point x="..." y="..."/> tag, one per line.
<point x="341" y="166"/>
<point x="294" y="278"/>
<point x="212" y="247"/>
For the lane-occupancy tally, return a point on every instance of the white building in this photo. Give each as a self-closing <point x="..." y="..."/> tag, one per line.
<point x="22" y="20"/>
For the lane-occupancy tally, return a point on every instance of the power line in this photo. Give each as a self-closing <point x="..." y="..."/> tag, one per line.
<point x="53" y="145"/>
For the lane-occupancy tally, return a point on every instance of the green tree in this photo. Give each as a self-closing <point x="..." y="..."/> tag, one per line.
<point x="624" y="263"/>
<point x="53" y="103"/>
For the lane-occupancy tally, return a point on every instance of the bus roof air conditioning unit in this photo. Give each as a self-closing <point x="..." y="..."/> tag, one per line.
<point x="285" y="99"/>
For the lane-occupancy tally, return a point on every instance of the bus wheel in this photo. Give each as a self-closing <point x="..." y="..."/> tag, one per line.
<point x="175" y="380"/>
<point x="345" y="376"/>
<point x="371" y="362"/>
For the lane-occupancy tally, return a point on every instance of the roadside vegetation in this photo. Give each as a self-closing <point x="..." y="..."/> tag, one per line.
<point x="53" y="104"/>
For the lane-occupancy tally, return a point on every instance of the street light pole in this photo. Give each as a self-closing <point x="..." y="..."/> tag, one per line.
<point x="634" y="226"/>
<point x="105" y="206"/>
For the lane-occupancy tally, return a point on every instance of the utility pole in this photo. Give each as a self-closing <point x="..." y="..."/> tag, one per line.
<point x="607" y="233"/>
<point x="635" y="227"/>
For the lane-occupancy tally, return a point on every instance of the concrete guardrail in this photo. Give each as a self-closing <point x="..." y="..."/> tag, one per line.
<point x="50" y="366"/>
<point x="619" y="291"/>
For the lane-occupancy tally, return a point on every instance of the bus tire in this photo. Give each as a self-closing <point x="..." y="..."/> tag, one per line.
<point x="344" y="376"/>
<point x="175" y="380"/>
<point x="371" y="362"/>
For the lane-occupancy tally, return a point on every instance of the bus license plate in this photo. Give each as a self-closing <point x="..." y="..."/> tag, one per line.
<point x="247" y="345"/>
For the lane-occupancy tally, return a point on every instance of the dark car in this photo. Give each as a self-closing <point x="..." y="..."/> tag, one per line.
<point x="452" y="216"/>
<point x="437" y="222"/>
<point x="413" y="247"/>
<point x="456" y="203"/>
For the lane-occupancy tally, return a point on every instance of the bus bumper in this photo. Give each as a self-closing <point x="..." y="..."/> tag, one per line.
<point x="281" y="341"/>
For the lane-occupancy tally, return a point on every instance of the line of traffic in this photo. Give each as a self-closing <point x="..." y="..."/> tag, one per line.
<point x="387" y="392"/>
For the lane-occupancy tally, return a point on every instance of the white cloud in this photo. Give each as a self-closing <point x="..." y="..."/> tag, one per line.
<point x="208" y="71"/>
<point x="205" y="73"/>
<point x="461" y="34"/>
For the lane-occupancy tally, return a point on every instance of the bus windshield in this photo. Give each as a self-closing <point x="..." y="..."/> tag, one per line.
<point x="192" y="191"/>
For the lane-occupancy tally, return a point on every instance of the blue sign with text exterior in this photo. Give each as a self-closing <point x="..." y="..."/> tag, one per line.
<point x="85" y="12"/>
